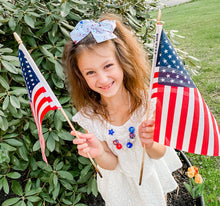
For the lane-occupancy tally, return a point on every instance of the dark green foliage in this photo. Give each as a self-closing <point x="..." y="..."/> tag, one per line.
<point x="44" y="27"/>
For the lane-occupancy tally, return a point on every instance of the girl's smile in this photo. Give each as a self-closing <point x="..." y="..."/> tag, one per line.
<point x="101" y="70"/>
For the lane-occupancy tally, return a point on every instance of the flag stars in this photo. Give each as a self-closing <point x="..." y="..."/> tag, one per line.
<point x="177" y="76"/>
<point x="169" y="56"/>
<point x="167" y="75"/>
<point x="165" y="51"/>
<point x="164" y="61"/>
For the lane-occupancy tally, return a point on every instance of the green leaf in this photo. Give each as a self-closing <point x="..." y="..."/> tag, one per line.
<point x="3" y="123"/>
<point x="59" y="166"/>
<point x="33" y="198"/>
<point x="23" y="152"/>
<point x="46" y="52"/>
<point x="94" y="187"/>
<point x="7" y="147"/>
<point x="33" y="191"/>
<point x="77" y="199"/>
<point x="5" y="185"/>
<point x="59" y="70"/>
<point x="12" y="23"/>
<point x="44" y="166"/>
<point x="65" y="9"/>
<point x="56" y="191"/>
<point x="36" y="146"/>
<point x="65" y="175"/>
<point x="10" y="67"/>
<point x="55" y="180"/>
<point x="29" y="21"/>
<point x="14" y="175"/>
<point x="5" y="103"/>
<point x="16" y="188"/>
<point x="57" y="121"/>
<point x="4" y="83"/>
<point x="85" y="170"/>
<point x="51" y="143"/>
<point x="84" y="160"/>
<point x="28" y="186"/>
<point x="10" y="201"/>
<point x="14" y="101"/>
<point x="65" y="135"/>
<point x="14" y="142"/>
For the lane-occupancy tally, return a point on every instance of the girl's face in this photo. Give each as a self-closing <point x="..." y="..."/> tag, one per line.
<point x="101" y="70"/>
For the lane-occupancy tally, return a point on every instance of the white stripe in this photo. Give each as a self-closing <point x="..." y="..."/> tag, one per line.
<point x="155" y="80"/>
<point x="189" y="120"/>
<point x="211" y="135"/>
<point x="176" y="119"/>
<point x="154" y="91"/>
<point x="199" y="140"/>
<point x="163" y="125"/>
<point x="42" y="109"/>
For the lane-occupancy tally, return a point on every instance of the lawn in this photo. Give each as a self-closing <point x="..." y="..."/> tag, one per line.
<point x="198" y="21"/>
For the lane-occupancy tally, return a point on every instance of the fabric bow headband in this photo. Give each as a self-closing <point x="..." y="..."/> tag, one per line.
<point x="101" y="31"/>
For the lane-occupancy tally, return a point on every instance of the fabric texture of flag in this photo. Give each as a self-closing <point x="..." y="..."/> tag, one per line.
<point x="41" y="97"/>
<point x="182" y="119"/>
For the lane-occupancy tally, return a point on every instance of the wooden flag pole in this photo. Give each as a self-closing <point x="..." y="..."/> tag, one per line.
<point x="147" y="116"/>
<point x="18" y="39"/>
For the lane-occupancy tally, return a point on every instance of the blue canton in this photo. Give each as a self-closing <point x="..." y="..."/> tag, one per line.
<point x="29" y="75"/>
<point x="171" y="68"/>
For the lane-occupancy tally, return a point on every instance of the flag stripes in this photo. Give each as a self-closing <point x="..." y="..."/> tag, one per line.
<point x="182" y="118"/>
<point x="41" y="97"/>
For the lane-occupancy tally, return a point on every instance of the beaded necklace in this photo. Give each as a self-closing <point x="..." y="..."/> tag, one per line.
<point x="131" y="130"/>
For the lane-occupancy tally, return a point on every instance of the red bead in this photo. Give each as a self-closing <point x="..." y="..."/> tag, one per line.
<point x="118" y="146"/>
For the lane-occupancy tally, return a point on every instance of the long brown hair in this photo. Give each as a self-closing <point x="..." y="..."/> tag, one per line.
<point x="132" y="58"/>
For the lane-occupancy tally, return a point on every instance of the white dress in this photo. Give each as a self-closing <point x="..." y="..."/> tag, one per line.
<point x="120" y="187"/>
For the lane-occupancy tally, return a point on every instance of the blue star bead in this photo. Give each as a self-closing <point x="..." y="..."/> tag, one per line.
<point x="129" y="145"/>
<point x="111" y="132"/>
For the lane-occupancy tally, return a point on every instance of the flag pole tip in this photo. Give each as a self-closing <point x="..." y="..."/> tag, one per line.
<point x="159" y="16"/>
<point x="18" y="39"/>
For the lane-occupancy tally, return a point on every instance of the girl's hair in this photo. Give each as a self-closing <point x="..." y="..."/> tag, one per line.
<point x="132" y="58"/>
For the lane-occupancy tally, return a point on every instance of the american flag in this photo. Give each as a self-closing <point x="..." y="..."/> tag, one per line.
<point x="182" y="119"/>
<point x="41" y="97"/>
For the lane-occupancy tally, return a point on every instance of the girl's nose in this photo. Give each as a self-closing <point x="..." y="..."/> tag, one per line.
<point x="102" y="78"/>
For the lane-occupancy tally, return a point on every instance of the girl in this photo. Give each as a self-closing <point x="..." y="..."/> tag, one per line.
<point x="109" y="76"/>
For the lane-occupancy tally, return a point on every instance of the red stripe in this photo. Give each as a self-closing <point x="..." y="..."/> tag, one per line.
<point x="183" y="117"/>
<point x="170" y="115"/>
<point x="42" y="101"/>
<point x="155" y="85"/>
<point x="44" y="112"/>
<point x="156" y="74"/>
<point x="216" y="136"/>
<point x="195" y="124"/>
<point x="39" y="91"/>
<point x="205" y="142"/>
<point x="159" y="105"/>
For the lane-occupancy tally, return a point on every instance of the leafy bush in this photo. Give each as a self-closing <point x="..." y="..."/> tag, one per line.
<point x="44" y="27"/>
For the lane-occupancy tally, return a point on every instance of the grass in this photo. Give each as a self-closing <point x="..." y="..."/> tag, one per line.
<point x="198" y="21"/>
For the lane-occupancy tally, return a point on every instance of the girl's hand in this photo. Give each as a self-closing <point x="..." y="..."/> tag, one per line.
<point x="88" y="143"/>
<point x="146" y="133"/>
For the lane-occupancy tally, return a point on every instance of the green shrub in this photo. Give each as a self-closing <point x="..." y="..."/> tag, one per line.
<point x="44" y="27"/>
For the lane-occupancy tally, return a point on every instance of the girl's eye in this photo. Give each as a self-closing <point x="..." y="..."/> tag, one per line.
<point x="89" y="72"/>
<point x="108" y="65"/>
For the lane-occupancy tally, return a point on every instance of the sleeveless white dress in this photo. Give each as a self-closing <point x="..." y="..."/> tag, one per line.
<point x="120" y="187"/>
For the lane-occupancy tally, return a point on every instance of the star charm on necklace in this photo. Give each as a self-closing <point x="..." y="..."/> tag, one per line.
<point x="111" y="132"/>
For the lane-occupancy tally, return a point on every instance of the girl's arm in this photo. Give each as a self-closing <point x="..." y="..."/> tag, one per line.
<point x="146" y="134"/>
<point x="88" y="143"/>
